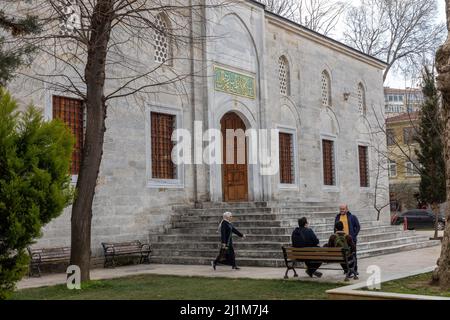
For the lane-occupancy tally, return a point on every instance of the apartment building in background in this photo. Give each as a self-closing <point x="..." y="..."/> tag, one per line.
<point x="399" y="101"/>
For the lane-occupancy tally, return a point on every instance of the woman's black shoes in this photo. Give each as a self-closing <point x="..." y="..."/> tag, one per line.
<point x="236" y="268"/>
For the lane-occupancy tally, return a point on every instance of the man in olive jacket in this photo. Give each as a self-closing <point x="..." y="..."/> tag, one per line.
<point x="351" y="225"/>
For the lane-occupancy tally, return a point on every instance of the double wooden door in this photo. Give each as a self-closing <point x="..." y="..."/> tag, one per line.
<point x="234" y="166"/>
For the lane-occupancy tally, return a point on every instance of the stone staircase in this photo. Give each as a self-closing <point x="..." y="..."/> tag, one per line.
<point x="193" y="238"/>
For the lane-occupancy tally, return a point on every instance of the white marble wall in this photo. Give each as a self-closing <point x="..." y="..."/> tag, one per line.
<point x="248" y="40"/>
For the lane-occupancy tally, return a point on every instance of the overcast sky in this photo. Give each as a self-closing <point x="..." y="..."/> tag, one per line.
<point x="394" y="80"/>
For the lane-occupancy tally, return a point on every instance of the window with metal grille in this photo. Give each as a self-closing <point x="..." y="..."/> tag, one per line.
<point x="326" y="90"/>
<point x="409" y="134"/>
<point x="162" y="126"/>
<point x="71" y="112"/>
<point x="390" y="136"/>
<point x="286" y="157"/>
<point x="161" y="42"/>
<point x="283" y="75"/>
<point x="329" y="178"/>
<point x="363" y="166"/>
<point x="361" y="100"/>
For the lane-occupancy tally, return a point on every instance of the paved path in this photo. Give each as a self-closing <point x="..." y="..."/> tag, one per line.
<point x="390" y="265"/>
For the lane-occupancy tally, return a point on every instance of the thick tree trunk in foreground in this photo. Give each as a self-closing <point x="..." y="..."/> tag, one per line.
<point x="95" y="129"/>
<point x="435" y="208"/>
<point x="442" y="273"/>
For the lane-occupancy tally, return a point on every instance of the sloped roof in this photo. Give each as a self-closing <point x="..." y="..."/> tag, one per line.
<point x="404" y="117"/>
<point x="379" y="61"/>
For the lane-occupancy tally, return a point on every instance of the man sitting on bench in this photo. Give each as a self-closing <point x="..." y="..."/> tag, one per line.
<point x="304" y="237"/>
<point x="340" y="239"/>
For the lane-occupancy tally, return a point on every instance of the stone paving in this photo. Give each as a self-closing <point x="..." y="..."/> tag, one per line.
<point x="390" y="265"/>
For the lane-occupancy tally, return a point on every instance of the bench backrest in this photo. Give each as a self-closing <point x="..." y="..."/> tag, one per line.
<point x="315" y="254"/>
<point x="128" y="246"/>
<point x="50" y="253"/>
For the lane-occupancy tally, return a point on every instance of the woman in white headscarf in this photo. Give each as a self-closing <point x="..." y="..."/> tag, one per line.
<point x="226" y="254"/>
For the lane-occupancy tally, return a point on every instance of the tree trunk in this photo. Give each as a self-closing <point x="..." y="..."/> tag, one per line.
<point x="435" y="208"/>
<point x="386" y="72"/>
<point x="95" y="130"/>
<point x="442" y="273"/>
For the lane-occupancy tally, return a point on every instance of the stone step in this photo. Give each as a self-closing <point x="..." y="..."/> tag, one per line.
<point x="262" y="204"/>
<point x="278" y="230"/>
<point x="224" y="205"/>
<point x="272" y="262"/>
<point x="282" y="238"/>
<point x="219" y="212"/>
<point x="318" y="216"/>
<point x="367" y="242"/>
<point x="307" y="211"/>
<point x="377" y="244"/>
<point x="397" y="248"/>
<point x="237" y="224"/>
<point x="318" y="211"/>
<point x="217" y="218"/>
<point x="258" y="216"/>
<point x="294" y="203"/>
<point x="248" y="245"/>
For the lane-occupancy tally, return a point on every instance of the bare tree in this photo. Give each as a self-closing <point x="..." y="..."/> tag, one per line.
<point x="441" y="274"/>
<point x="102" y="50"/>
<point x="284" y="8"/>
<point x="318" y="15"/>
<point x="380" y="189"/>
<point x="404" y="152"/>
<point x="401" y="32"/>
<point x="321" y="16"/>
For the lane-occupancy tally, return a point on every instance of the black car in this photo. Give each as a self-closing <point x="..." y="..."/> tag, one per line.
<point x="419" y="218"/>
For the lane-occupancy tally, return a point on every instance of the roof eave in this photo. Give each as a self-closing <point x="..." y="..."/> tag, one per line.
<point x="317" y="37"/>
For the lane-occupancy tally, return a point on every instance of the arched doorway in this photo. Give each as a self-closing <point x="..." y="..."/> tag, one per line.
<point x="234" y="165"/>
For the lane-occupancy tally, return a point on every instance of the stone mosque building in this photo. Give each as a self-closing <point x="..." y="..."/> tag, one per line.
<point x="262" y="72"/>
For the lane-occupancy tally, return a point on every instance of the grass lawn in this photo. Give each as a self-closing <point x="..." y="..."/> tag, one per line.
<point x="419" y="284"/>
<point x="153" y="287"/>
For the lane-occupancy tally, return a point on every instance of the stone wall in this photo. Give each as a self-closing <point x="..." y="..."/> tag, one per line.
<point x="128" y="206"/>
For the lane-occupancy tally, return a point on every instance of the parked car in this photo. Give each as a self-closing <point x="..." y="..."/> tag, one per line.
<point x="419" y="219"/>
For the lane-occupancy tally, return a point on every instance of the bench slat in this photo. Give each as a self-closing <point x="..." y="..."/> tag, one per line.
<point x="316" y="258"/>
<point x="321" y="249"/>
<point x="326" y="254"/>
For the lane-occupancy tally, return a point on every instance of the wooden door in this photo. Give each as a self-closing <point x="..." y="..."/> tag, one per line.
<point x="234" y="172"/>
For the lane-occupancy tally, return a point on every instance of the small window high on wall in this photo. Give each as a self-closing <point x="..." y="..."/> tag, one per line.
<point x="162" y="126"/>
<point x="326" y="89"/>
<point x="329" y="172"/>
<point x="362" y="108"/>
<point x="286" y="158"/>
<point x="283" y="76"/>
<point x="363" y="166"/>
<point x="71" y="112"/>
<point x="161" y="42"/>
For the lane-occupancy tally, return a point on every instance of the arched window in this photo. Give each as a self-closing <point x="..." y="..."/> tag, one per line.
<point x="283" y="76"/>
<point x="161" y="42"/>
<point x="361" y="100"/>
<point x="326" y="90"/>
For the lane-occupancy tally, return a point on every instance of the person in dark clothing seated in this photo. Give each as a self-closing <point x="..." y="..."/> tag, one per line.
<point x="304" y="237"/>
<point x="341" y="239"/>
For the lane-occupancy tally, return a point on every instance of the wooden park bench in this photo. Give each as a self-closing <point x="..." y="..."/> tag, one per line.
<point x="319" y="255"/>
<point x="39" y="256"/>
<point x="115" y="249"/>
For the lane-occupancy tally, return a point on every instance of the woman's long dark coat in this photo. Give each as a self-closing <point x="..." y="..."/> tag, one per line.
<point x="226" y="231"/>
